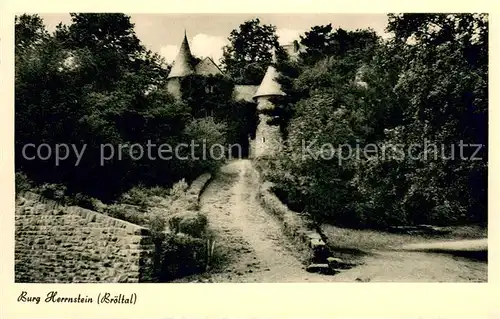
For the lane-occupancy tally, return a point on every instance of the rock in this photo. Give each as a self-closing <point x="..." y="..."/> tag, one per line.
<point x="320" y="250"/>
<point x="313" y="235"/>
<point x="317" y="243"/>
<point x="319" y="268"/>
<point x="337" y="263"/>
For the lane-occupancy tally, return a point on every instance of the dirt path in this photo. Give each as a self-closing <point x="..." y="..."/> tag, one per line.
<point x="257" y="250"/>
<point x="251" y="238"/>
<point x="450" y="246"/>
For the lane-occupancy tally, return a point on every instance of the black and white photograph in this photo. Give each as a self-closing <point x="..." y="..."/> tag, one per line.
<point x="251" y="148"/>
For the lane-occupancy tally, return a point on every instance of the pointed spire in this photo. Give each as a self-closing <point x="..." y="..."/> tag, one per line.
<point x="269" y="85"/>
<point x="182" y="64"/>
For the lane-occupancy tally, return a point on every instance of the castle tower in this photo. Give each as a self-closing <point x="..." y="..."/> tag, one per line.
<point x="267" y="137"/>
<point x="181" y="67"/>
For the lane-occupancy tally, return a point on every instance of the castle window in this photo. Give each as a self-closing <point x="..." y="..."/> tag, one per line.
<point x="263" y="140"/>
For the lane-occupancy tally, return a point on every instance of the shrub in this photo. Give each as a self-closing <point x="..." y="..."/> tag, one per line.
<point x="126" y="212"/>
<point x="135" y="196"/>
<point x="23" y="183"/>
<point x="433" y="90"/>
<point x="206" y="131"/>
<point x="178" y="189"/>
<point x="190" y="223"/>
<point x="53" y="191"/>
<point x="156" y="221"/>
<point x="181" y="255"/>
<point x="85" y="201"/>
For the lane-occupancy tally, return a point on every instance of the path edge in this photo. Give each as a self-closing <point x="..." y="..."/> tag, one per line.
<point x="310" y="243"/>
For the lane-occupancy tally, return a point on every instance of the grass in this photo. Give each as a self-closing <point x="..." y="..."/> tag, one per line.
<point x="354" y="240"/>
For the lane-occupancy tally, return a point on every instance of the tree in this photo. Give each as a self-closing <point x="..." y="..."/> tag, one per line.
<point x="117" y="52"/>
<point x="428" y="83"/>
<point x="29" y="30"/>
<point x="318" y="42"/>
<point x="443" y="87"/>
<point x="213" y="96"/>
<point x="248" y="55"/>
<point x="322" y="41"/>
<point x="93" y="83"/>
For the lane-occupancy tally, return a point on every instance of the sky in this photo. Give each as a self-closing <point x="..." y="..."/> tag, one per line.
<point x="208" y="33"/>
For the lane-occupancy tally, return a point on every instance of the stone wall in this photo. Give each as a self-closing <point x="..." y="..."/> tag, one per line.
<point x="267" y="138"/>
<point x="310" y="241"/>
<point x="55" y="243"/>
<point x="244" y="92"/>
<point x="294" y="227"/>
<point x="174" y="87"/>
<point x="198" y="186"/>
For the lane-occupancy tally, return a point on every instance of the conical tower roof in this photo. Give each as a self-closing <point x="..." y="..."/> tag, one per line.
<point x="269" y="85"/>
<point x="182" y="64"/>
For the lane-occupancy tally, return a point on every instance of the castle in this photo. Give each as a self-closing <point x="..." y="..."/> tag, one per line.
<point x="267" y="139"/>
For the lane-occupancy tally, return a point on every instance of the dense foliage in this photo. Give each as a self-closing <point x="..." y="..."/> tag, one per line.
<point x="213" y="96"/>
<point x="423" y="90"/>
<point x="403" y="106"/>
<point x="93" y="83"/>
<point x="248" y="54"/>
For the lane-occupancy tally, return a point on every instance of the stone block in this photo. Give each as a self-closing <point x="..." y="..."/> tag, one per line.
<point x="337" y="263"/>
<point x="317" y="243"/>
<point x="320" y="268"/>
<point x="314" y="235"/>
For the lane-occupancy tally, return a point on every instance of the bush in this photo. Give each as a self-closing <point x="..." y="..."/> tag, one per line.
<point x="207" y="132"/>
<point x="188" y="222"/>
<point x="181" y="255"/>
<point x="23" y="183"/>
<point x="85" y="201"/>
<point x="130" y="213"/>
<point x="53" y="191"/>
<point x="180" y="236"/>
<point x="178" y="189"/>
<point x="432" y="90"/>
<point x="137" y="195"/>
<point x="156" y="221"/>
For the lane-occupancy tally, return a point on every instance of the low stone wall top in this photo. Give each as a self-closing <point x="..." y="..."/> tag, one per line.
<point x="294" y="226"/>
<point x="197" y="187"/>
<point x="310" y="242"/>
